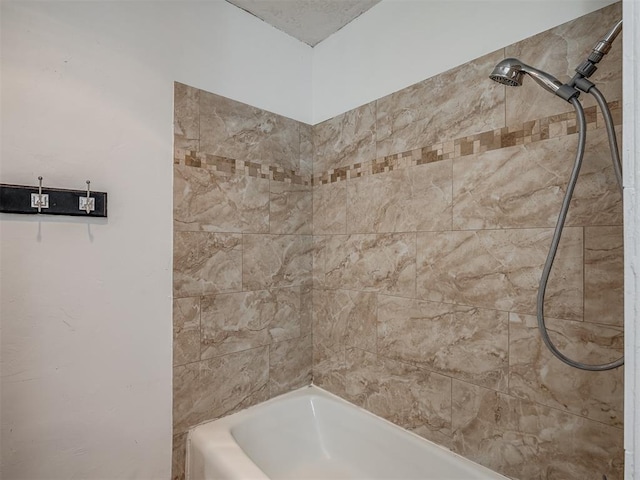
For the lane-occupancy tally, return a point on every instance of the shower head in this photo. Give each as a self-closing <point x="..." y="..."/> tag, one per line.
<point x="511" y="70"/>
<point x="508" y="72"/>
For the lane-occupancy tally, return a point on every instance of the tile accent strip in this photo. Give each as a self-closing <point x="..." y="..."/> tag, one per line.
<point x="528" y="132"/>
<point x="230" y="166"/>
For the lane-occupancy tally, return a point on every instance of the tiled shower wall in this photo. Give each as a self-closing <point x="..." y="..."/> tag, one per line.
<point x="242" y="258"/>
<point x="433" y="210"/>
<point x="416" y="254"/>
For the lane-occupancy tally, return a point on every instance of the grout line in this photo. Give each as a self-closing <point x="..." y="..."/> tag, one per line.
<point x="509" y="353"/>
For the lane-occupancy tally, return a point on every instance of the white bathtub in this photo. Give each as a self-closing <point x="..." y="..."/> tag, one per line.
<point x="312" y="434"/>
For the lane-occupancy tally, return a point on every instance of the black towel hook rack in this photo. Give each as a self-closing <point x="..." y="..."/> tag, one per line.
<point x="39" y="200"/>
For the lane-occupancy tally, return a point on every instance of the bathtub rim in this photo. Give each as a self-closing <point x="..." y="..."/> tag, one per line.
<point x="232" y="419"/>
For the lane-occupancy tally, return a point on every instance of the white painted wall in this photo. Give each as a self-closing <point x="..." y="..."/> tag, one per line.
<point x="400" y="42"/>
<point x="631" y="158"/>
<point x="87" y="93"/>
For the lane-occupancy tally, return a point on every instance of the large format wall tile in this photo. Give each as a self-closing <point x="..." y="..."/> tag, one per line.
<point x="329" y="367"/>
<point x="213" y="388"/>
<point x="463" y="342"/>
<point x="381" y="263"/>
<point x="235" y="130"/>
<point x="529" y="441"/>
<point x="186" y="117"/>
<point x="186" y="330"/>
<point x="318" y="260"/>
<point x="346" y="139"/>
<point x="559" y="51"/>
<point x="491" y="191"/>
<point x="597" y="199"/>
<point x="290" y="208"/>
<point x="536" y="375"/>
<point x="272" y="261"/>
<point x="179" y="457"/>
<point x="454" y="104"/>
<point x="306" y="309"/>
<point x="306" y="149"/>
<point x="501" y="269"/>
<point x="206" y="263"/>
<point x="213" y="202"/>
<point x="603" y="275"/>
<point x="239" y="321"/>
<point x="330" y="208"/>
<point x="345" y="318"/>
<point x="410" y="199"/>
<point x="406" y="395"/>
<point x="290" y="364"/>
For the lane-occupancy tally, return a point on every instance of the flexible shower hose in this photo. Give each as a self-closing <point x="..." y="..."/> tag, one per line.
<point x="557" y="234"/>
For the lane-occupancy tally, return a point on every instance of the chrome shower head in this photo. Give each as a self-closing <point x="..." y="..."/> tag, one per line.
<point x="508" y="72"/>
<point x="511" y="70"/>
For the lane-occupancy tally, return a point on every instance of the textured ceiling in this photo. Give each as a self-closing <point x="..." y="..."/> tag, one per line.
<point x="310" y="21"/>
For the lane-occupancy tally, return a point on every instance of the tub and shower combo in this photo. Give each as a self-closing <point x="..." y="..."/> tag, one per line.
<point x="312" y="434"/>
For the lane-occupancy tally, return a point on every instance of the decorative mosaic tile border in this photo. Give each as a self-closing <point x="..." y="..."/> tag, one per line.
<point x="528" y="132"/>
<point x="230" y="166"/>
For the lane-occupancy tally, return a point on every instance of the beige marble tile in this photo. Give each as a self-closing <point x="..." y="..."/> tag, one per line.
<point x="596" y="199"/>
<point x="491" y="191"/>
<point x="329" y="366"/>
<point x="520" y="186"/>
<point x="429" y="112"/>
<point x="206" y="263"/>
<point x="186" y="116"/>
<point x="501" y="269"/>
<point x="406" y="395"/>
<point x="330" y="208"/>
<point x="467" y="343"/>
<point x="345" y="139"/>
<point x="214" y="388"/>
<point x="306" y="149"/>
<point x="604" y="275"/>
<point x="345" y="318"/>
<point x="186" y="330"/>
<point x="182" y="148"/>
<point x="536" y="375"/>
<point x="290" y="208"/>
<point x="235" y="130"/>
<point x="405" y="200"/>
<point x="306" y="310"/>
<point x="208" y="201"/>
<point x="380" y="263"/>
<point x="273" y="261"/>
<point x="290" y="365"/>
<point x="529" y="441"/>
<point x="232" y="322"/>
<point x="178" y="457"/>
<point x="559" y="51"/>
<point x="319" y="254"/>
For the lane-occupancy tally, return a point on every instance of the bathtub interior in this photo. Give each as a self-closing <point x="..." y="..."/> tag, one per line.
<point x="310" y="434"/>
